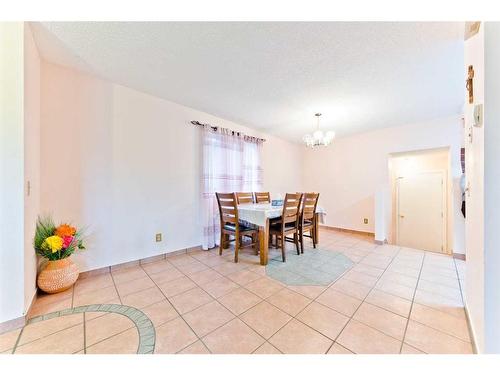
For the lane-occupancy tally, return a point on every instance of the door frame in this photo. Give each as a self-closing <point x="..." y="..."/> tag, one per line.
<point x="444" y="207"/>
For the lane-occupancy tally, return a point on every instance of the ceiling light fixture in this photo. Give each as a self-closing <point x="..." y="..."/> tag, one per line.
<point x="318" y="138"/>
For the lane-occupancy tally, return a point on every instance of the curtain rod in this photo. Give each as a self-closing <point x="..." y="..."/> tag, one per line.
<point x="233" y="132"/>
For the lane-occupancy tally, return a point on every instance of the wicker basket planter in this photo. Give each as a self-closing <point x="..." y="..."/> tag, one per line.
<point x="58" y="275"/>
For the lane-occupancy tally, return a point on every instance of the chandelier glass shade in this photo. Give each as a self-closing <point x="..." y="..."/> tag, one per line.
<point x="318" y="138"/>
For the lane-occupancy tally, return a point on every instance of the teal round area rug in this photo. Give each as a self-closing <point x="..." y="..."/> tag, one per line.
<point x="314" y="267"/>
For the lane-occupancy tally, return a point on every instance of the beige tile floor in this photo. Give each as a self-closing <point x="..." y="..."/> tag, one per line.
<point x="393" y="300"/>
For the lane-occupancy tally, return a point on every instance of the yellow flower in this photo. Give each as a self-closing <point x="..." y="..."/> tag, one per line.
<point x="54" y="243"/>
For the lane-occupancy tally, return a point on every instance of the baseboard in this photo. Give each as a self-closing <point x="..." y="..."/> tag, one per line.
<point x="459" y="256"/>
<point x="352" y="231"/>
<point x="12" y="324"/>
<point x="154" y="258"/>
<point x="119" y="266"/>
<point x="471" y="331"/>
<point x="21" y="321"/>
<point x="95" y="272"/>
<point x="380" y="242"/>
<point x="193" y="249"/>
<point x="133" y="263"/>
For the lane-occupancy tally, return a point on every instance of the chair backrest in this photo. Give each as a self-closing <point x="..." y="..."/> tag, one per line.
<point x="264" y="197"/>
<point x="291" y="206"/>
<point x="309" y="203"/>
<point x="228" y="208"/>
<point x="244" y="198"/>
<point x="298" y="192"/>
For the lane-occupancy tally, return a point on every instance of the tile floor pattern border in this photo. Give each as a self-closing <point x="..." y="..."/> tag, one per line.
<point x="145" y="328"/>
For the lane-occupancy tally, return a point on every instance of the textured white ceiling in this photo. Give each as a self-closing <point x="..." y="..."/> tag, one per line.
<point x="274" y="76"/>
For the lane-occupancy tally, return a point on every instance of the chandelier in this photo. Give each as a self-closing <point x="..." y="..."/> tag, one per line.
<point x="318" y="138"/>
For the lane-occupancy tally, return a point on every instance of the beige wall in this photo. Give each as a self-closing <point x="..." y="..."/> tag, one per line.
<point x="127" y="165"/>
<point x="351" y="172"/>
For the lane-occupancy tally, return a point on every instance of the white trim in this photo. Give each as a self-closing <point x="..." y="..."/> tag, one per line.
<point x="472" y="333"/>
<point x="33" y="297"/>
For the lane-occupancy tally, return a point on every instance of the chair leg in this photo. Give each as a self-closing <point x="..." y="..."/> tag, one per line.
<point x="236" y="248"/>
<point x="302" y="242"/>
<point x="296" y="241"/>
<point x="283" y="247"/>
<point x="221" y="243"/>
<point x="255" y="239"/>
<point x="313" y="235"/>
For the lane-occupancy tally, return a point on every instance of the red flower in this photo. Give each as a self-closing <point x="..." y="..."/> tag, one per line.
<point x="67" y="241"/>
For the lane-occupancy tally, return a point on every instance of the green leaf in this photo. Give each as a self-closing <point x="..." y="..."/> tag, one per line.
<point x="45" y="228"/>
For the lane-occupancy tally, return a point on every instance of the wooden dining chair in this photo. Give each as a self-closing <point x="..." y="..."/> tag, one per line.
<point x="264" y="197"/>
<point x="244" y="198"/>
<point x="288" y="224"/>
<point x="308" y="222"/>
<point x="230" y="225"/>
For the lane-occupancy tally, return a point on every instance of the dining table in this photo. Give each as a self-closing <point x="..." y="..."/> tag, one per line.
<point x="260" y="214"/>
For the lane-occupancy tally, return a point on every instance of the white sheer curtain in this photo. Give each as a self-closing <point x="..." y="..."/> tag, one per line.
<point x="230" y="164"/>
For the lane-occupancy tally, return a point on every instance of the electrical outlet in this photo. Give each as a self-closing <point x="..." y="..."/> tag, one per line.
<point x="158" y="237"/>
<point x="365" y="220"/>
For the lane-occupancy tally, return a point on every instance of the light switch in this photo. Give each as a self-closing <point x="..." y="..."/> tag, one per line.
<point x="478" y="115"/>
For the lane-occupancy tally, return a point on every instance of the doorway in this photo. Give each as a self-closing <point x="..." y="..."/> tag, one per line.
<point x="420" y="211"/>
<point x="421" y="200"/>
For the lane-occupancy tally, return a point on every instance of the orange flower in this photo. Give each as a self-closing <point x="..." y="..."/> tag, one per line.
<point x="65" y="230"/>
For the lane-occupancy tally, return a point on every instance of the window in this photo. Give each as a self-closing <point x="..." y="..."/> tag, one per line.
<point x="231" y="163"/>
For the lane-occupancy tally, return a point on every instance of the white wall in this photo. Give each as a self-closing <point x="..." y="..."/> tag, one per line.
<point x="474" y="222"/>
<point x="11" y="171"/>
<point x="31" y="160"/>
<point x="492" y="187"/>
<point x="127" y="165"/>
<point x="348" y="195"/>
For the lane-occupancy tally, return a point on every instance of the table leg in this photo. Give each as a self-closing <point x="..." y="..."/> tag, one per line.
<point x="316" y="227"/>
<point x="264" y="243"/>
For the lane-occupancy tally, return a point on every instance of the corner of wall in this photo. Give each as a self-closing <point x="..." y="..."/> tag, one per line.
<point x="31" y="160"/>
<point x="12" y="170"/>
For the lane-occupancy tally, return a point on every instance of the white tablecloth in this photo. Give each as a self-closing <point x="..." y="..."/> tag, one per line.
<point x="258" y="213"/>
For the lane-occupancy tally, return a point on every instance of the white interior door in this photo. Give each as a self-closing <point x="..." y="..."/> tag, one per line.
<point x="421" y="211"/>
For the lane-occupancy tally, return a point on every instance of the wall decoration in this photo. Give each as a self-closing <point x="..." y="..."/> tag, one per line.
<point x="469" y="83"/>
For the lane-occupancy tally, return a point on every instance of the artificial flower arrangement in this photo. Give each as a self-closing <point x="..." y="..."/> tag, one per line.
<point x="55" y="243"/>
